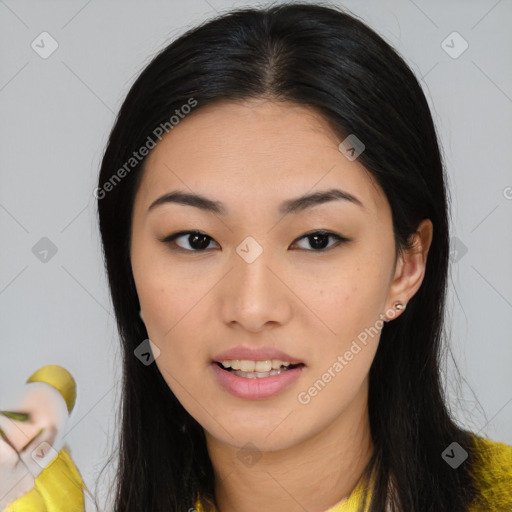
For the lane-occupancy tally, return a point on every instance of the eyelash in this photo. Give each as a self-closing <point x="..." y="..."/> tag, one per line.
<point x="170" y="239"/>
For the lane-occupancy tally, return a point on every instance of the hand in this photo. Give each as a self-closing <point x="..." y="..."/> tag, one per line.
<point x="27" y="439"/>
<point x="15" y="478"/>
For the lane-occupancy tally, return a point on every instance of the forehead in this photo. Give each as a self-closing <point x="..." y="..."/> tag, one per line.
<point x="252" y="153"/>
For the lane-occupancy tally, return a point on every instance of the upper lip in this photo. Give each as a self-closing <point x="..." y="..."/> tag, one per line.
<point x="261" y="353"/>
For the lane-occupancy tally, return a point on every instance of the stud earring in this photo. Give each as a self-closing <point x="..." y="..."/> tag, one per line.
<point x="397" y="305"/>
<point x="140" y="314"/>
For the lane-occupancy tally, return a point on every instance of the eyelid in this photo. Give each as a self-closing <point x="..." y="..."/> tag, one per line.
<point x="339" y="239"/>
<point x="170" y="239"/>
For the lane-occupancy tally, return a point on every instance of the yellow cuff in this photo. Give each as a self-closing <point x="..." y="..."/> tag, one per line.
<point x="58" y="488"/>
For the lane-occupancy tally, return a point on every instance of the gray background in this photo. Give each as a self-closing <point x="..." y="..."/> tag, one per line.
<point x="56" y="115"/>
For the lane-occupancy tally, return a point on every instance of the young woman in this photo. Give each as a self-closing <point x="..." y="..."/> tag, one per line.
<point x="291" y="359"/>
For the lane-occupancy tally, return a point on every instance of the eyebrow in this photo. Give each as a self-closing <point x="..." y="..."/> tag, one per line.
<point x="295" y="205"/>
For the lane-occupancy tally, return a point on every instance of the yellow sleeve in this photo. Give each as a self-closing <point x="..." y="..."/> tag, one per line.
<point x="58" y="488"/>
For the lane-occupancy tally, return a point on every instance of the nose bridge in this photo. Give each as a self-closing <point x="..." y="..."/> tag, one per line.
<point x="255" y="293"/>
<point x="252" y="275"/>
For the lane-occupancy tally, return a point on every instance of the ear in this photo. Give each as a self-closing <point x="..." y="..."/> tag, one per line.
<point x="410" y="268"/>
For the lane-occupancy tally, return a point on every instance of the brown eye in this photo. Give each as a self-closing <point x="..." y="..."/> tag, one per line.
<point x="199" y="242"/>
<point x="319" y="240"/>
<point x="195" y="239"/>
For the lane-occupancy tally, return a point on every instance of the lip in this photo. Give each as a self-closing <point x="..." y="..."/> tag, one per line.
<point x="257" y="388"/>
<point x="261" y="353"/>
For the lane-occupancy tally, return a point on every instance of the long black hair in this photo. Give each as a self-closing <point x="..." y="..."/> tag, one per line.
<point x="323" y="57"/>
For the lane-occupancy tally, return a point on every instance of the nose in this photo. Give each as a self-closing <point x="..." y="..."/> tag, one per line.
<point x="255" y="295"/>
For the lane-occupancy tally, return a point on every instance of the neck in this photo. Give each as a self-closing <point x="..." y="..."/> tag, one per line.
<point x="312" y="475"/>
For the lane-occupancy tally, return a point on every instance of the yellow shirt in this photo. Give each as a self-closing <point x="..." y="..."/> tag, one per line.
<point x="59" y="487"/>
<point x="494" y="478"/>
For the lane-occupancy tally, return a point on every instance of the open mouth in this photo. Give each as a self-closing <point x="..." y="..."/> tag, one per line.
<point x="259" y="375"/>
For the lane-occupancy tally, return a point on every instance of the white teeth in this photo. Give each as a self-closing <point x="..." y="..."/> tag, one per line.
<point x="246" y="365"/>
<point x="258" y="375"/>
<point x="263" y="366"/>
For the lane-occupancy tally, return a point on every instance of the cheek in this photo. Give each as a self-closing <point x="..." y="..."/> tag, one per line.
<point x="174" y="320"/>
<point x="168" y="294"/>
<point x="349" y="313"/>
<point x="349" y="308"/>
<point x="172" y="315"/>
<point x="350" y="299"/>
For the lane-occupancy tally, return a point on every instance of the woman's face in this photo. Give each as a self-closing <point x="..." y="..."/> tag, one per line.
<point x="253" y="280"/>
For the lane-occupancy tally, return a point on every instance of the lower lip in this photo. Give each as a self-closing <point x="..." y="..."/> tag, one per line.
<point x="264" y="387"/>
